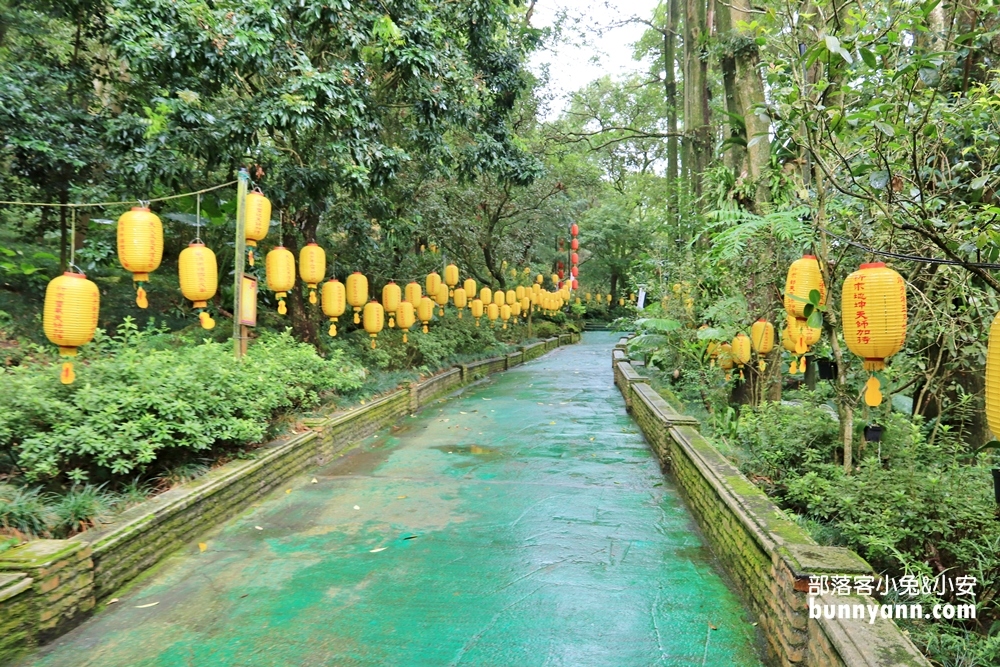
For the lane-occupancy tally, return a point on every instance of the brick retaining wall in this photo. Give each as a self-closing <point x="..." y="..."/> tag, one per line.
<point x="49" y="586"/>
<point x="768" y="556"/>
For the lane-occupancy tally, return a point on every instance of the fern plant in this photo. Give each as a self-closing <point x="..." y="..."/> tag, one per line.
<point x="732" y="229"/>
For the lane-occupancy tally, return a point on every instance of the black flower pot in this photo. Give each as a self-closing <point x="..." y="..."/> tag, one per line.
<point x="873" y="433"/>
<point x="827" y="369"/>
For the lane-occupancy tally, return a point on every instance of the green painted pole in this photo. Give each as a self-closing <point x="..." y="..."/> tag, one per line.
<point x="239" y="331"/>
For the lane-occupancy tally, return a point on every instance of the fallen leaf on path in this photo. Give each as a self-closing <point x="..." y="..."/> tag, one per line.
<point x="411" y="537"/>
<point x="400" y="497"/>
<point x="112" y="600"/>
<point x="487" y="399"/>
<point x="356" y="507"/>
<point x="462" y="413"/>
<point x="712" y="626"/>
<point x="143" y="606"/>
<point x="375" y="551"/>
<point x="258" y="528"/>
<point x="244" y="595"/>
<point x="202" y="546"/>
<point x="552" y="423"/>
<point x="591" y="439"/>
<point x="288" y="490"/>
<point x="314" y="481"/>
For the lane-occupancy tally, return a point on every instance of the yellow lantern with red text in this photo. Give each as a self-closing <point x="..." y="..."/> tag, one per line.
<point x="741" y="349"/>
<point x="505" y="313"/>
<point x="460" y="299"/>
<point x="374" y="318"/>
<point x="312" y="268"/>
<point x="425" y="311"/>
<point x="199" y="278"/>
<point x="69" y="317"/>
<point x="412" y="293"/>
<point x="803" y="277"/>
<point x="257" y="220"/>
<point x="140" y="247"/>
<point x="470" y="288"/>
<point x="993" y="377"/>
<point x="391" y="296"/>
<point x="280" y="267"/>
<point x="492" y="312"/>
<point x="515" y="309"/>
<point x="334" y="299"/>
<point x="431" y="284"/>
<point x="873" y="308"/>
<point x="477" y="309"/>
<point x="357" y="293"/>
<point x="405" y="317"/>
<point x="451" y="278"/>
<point x="486" y="296"/>
<point x="762" y="339"/>
<point x="441" y="297"/>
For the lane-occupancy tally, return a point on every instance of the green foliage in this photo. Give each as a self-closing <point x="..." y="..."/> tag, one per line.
<point x="24" y="510"/>
<point x="142" y="404"/>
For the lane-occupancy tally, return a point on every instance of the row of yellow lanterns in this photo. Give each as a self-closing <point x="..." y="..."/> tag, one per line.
<point x="873" y="310"/>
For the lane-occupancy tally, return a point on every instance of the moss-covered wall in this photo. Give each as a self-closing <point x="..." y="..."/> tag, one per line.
<point x="767" y="555"/>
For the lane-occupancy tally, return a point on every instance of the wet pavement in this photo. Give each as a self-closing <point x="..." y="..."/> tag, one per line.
<point x="523" y="523"/>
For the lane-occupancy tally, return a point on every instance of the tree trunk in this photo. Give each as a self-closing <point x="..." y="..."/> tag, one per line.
<point x="670" y="83"/>
<point x="736" y="151"/>
<point x="750" y="100"/>
<point x="697" y="133"/>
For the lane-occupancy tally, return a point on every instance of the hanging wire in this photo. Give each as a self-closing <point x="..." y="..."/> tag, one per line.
<point x="281" y="228"/>
<point x="908" y="258"/>
<point x="118" y="203"/>
<point x="72" y="241"/>
<point x="197" y="220"/>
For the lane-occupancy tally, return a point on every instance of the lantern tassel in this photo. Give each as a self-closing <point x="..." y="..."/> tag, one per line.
<point x="425" y="327"/>
<point x="477" y="321"/>
<point x="67" y="376"/>
<point x="250" y="256"/>
<point x="404" y="337"/>
<point x="392" y="322"/>
<point x="140" y="297"/>
<point x="873" y="397"/>
<point x="459" y="314"/>
<point x="357" y="320"/>
<point x="761" y="365"/>
<point x="441" y="312"/>
<point x="802" y="364"/>
<point x="282" y="308"/>
<point x="741" y="375"/>
<point x="206" y="320"/>
<point x="312" y="296"/>
<point x="333" y="329"/>
<point x="373" y="342"/>
<point x="794" y="368"/>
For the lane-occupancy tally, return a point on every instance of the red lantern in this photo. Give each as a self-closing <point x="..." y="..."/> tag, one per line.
<point x="562" y="244"/>
<point x="560" y="265"/>
<point x="574" y="258"/>
<point x="561" y="274"/>
<point x="574" y="244"/>
<point x="574" y="230"/>
<point x="575" y="271"/>
<point x="576" y="285"/>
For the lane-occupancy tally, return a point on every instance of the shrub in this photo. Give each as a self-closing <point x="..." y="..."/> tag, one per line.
<point x="141" y="405"/>
<point x="24" y="511"/>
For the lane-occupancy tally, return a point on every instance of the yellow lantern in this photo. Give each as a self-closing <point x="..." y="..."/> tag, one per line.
<point x="374" y="317"/>
<point x="257" y="220"/>
<point x="486" y="296"/>
<point x="425" y="311"/>
<point x="505" y="313"/>
<point x="741" y="348"/>
<point x="413" y="293"/>
<point x="312" y="268"/>
<point x="803" y="277"/>
<point x="800" y="337"/>
<point x="477" y="309"/>
<point x="539" y="279"/>
<point x="788" y="342"/>
<point x="140" y="247"/>
<point x="993" y="377"/>
<point x="515" y="309"/>
<point x="554" y="278"/>
<point x="498" y="297"/>
<point x="199" y="277"/>
<point x="357" y="293"/>
<point x="511" y="297"/>
<point x="536" y="289"/>
<point x="460" y="300"/>
<point x="442" y="298"/>
<point x="492" y="312"/>
<point x="586" y="297"/>
<point x="621" y="301"/>
<point x="525" y="305"/>
<point x="405" y="317"/>
<point x="470" y="288"/>
<point x="70" y="316"/>
<point x="762" y="338"/>
<point x="451" y="278"/>
<point x="631" y="297"/>
<point x="432" y="283"/>
<point x="873" y="307"/>
<point x="726" y="359"/>
<point x="280" y="267"/>
<point x="334" y="302"/>
<point x="391" y="296"/>
<point x="535" y="298"/>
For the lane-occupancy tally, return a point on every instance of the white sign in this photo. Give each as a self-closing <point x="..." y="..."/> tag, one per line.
<point x="642" y="298"/>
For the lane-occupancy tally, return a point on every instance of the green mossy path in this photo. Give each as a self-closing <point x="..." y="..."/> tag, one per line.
<point x="523" y="523"/>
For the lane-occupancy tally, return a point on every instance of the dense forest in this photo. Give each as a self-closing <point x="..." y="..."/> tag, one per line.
<point x="403" y="135"/>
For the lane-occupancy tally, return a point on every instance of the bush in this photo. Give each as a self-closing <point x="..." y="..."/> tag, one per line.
<point x="140" y="405"/>
<point x="24" y="511"/>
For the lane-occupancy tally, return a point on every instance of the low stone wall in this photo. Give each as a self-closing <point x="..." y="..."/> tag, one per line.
<point x="768" y="556"/>
<point x="49" y="586"/>
<point x="551" y="343"/>
<point x="625" y="376"/>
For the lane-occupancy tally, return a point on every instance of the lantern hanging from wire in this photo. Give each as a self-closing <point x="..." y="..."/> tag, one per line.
<point x="425" y="311"/>
<point x="374" y="318"/>
<point x="405" y="317"/>
<point x="140" y="247"/>
<point x="574" y="230"/>
<point x="505" y="313"/>
<point x="539" y="279"/>
<point x="510" y="297"/>
<point x="486" y="296"/>
<point x="725" y="358"/>
<point x="519" y="292"/>
<point x="470" y="288"/>
<point x="334" y="304"/>
<point x="451" y="278"/>
<point x="498" y="298"/>
<point x="312" y="268"/>
<point x="460" y="299"/>
<point x="431" y="284"/>
<point x="574" y="244"/>
<point x="280" y="267"/>
<point x="441" y="298"/>
<point x="803" y="277"/>
<point x="873" y="308"/>
<point x="391" y="296"/>
<point x="357" y="293"/>
<point x="199" y="278"/>
<point x="492" y="313"/>
<point x="256" y="221"/>
<point x="741" y="348"/>
<point x="515" y="310"/>
<point x="477" y="309"/>
<point x="762" y="339"/>
<point x="69" y="317"/>
<point x="993" y="377"/>
<point x="526" y="305"/>
<point x="412" y="293"/>
<point x="802" y="337"/>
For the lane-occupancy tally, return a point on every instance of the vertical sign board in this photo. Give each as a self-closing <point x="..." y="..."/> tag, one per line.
<point x="248" y="303"/>
<point x="642" y="298"/>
